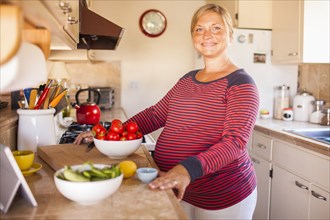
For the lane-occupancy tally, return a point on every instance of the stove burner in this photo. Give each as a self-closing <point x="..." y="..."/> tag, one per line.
<point x="75" y="129"/>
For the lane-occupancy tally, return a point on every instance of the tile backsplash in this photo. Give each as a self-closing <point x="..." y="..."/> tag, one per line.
<point x="96" y="74"/>
<point x="315" y="78"/>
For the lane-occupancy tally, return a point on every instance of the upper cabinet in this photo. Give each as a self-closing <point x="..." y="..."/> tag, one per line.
<point x="60" y="17"/>
<point x="250" y="14"/>
<point x="300" y="32"/>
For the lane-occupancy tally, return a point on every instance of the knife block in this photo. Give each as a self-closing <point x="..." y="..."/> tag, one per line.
<point x="35" y="128"/>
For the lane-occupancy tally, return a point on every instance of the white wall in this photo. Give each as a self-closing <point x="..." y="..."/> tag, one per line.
<point x="150" y="66"/>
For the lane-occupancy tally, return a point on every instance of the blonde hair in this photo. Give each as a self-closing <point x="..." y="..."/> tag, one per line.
<point x="224" y="14"/>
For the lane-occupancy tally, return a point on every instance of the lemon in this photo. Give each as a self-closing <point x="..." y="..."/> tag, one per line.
<point x="128" y="168"/>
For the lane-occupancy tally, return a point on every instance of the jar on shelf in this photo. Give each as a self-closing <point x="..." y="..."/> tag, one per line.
<point x="281" y="101"/>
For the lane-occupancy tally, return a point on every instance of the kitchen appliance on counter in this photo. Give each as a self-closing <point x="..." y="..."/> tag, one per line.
<point x="88" y="112"/>
<point x="303" y="105"/>
<point x="107" y="99"/>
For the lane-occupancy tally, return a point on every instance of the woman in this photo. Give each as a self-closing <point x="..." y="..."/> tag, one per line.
<point x="207" y="119"/>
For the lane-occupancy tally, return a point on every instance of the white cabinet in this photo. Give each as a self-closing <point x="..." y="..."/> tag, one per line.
<point x="66" y="12"/>
<point x="261" y="154"/>
<point x="60" y="17"/>
<point x="300" y="183"/>
<point x="300" y="32"/>
<point x="249" y="14"/>
<point x="319" y="203"/>
<point x="262" y="168"/>
<point x="289" y="195"/>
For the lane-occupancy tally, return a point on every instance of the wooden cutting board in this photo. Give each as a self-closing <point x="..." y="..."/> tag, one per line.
<point x="57" y="156"/>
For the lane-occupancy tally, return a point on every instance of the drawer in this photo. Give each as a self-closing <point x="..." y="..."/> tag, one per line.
<point x="262" y="145"/>
<point x="308" y="164"/>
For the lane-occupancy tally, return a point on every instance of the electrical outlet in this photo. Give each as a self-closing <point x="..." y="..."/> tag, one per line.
<point x="134" y="85"/>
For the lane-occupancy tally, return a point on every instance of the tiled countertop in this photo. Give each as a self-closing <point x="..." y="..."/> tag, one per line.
<point x="274" y="128"/>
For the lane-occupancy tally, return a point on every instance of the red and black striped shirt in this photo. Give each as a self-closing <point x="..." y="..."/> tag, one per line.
<point x="206" y="127"/>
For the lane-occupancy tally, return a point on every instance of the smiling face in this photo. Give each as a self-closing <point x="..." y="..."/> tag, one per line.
<point x="210" y="35"/>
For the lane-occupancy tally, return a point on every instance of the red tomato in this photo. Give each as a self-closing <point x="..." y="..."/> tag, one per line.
<point x="98" y="130"/>
<point x="124" y="134"/>
<point x="101" y="137"/>
<point x="123" y="138"/>
<point x="138" y="135"/>
<point x="117" y="126"/>
<point x="131" y="136"/>
<point x="113" y="136"/>
<point x="132" y="127"/>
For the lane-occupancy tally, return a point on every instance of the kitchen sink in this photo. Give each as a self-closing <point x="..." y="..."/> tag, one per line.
<point x="317" y="134"/>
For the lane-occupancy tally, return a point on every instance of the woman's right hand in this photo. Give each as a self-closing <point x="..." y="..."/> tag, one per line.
<point x="85" y="137"/>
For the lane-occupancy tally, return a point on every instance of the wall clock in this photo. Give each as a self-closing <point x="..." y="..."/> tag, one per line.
<point x="153" y="23"/>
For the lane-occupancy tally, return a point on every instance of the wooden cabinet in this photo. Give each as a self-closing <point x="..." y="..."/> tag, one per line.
<point x="8" y="128"/>
<point x="261" y="154"/>
<point x="300" y="183"/>
<point x="300" y="32"/>
<point x="249" y="14"/>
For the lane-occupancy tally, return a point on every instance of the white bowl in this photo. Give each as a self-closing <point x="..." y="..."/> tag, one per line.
<point x="87" y="193"/>
<point x="147" y="174"/>
<point x="117" y="149"/>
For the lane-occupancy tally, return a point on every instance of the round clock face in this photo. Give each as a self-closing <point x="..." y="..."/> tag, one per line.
<point x="153" y="23"/>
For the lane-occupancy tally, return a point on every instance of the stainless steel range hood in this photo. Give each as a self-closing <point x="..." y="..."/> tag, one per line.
<point x="96" y="32"/>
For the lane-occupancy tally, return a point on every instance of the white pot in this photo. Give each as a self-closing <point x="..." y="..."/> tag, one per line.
<point x="303" y="106"/>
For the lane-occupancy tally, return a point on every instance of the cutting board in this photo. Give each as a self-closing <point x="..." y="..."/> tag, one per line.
<point x="57" y="156"/>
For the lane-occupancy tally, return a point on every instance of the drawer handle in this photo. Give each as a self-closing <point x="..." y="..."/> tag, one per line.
<point x="293" y="54"/>
<point x="318" y="196"/>
<point x="255" y="160"/>
<point x="261" y="146"/>
<point x="301" y="185"/>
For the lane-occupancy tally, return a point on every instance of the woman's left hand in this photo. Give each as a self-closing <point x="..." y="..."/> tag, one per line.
<point x="177" y="177"/>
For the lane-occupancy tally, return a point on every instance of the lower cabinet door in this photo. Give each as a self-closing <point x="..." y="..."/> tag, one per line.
<point x="320" y="205"/>
<point x="262" y="168"/>
<point x="289" y="195"/>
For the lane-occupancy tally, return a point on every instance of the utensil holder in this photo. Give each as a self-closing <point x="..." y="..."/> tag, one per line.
<point x="35" y="128"/>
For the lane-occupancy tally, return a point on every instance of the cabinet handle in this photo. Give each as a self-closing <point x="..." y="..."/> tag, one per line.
<point x="301" y="185"/>
<point x="65" y="7"/>
<point x="261" y="146"/>
<point x="72" y="20"/>
<point x="318" y="196"/>
<point x="293" y="54"/>
<point x="255" y="160"/>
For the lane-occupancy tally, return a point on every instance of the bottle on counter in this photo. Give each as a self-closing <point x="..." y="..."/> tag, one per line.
<point x="325" y="120"/>
<point x="316" y="116"/>
<point x="282" y="100"/>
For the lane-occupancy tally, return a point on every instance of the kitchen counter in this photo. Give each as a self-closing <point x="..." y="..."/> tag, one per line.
<point x="274" y="128"/>
<point x="133" y="200"/>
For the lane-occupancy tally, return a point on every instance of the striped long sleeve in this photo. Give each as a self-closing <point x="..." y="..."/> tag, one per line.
<point x="206" y="129"/>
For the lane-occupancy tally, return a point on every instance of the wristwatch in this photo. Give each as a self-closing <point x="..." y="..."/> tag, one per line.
<point x="153" y="23"/>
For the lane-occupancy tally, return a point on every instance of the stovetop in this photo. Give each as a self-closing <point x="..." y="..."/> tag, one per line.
<point x="74" y="129"/>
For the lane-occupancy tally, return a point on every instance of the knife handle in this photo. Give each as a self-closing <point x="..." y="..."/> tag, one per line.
<point x="57" y="99"/>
